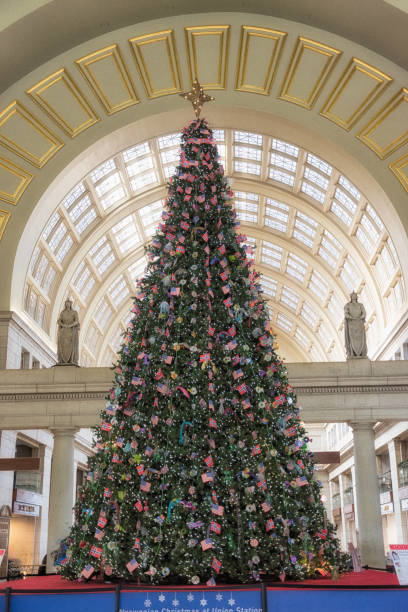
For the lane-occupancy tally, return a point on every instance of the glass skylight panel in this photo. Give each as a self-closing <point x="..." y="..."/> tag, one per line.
<point x="318" y="285"/>
<point x="108" y="184"/>
<point x="73" y="195"/>
<point x="289" y="297"/>
<point x="335" y="307"/>
<point x="283" y="322"/>
<point x="323" y="334"/>
<point x="341" y="213"/>
<point x="344" y="199"/>
<point x="34" y="258"/>
<point x="82" y="278"/>
<point x="248" y="153"/>
<point x="136" y="269"/>
<point x="144" y="148"/>
<point x="301" y="337"/>
<point x="302" y="238"/>
<point x="296" y="267"/>
<point x="92" y="338"/>
<point x="138" y="182"/>
<point x="276" y="216"/>
<point x="283" y="162"/>
<point x="88" y="287"/>
<point x="306" y="219"/>
<point x="40" y="271"/>
<point x="126" y="234"/>
<point x="140" y="166"/>
<point x="170" y="140"/>
<point x="103" y="312"/>
<point x="247" y="167"/>
<point x="102" y="170"/>
<point x="105" y="263"/>
<point x="327" y="257"/>
<point x="316" y="178"/>
<point x="285" y="147"/>
<point x="113" y="197"/>
<point x="86" y="220"/>
<point x="151" y="213"/>
<point x="219" y="135"/>
<point x="118" y="290"/>
<point x="64" y="248"/>
<point x="246" y="195"/>
<point x="363" y="238"/>
<point x="32" y="303"/>
<point x="57" y="236"/>
<point x="386" y="256"/>
<point x="169" y="171"/>
<point x="350" y="188"/>
<point x="268" y="286"/>
<point x="372" y="213"/>
<point x="40" y="313"/>
<point x="48" y="279"/>
<point x="50" y="225"/>
<point x="313" y="192"/>
<point x="170" y="156"/>
<point x="350" y="274"/>
<point x="271" y="254"/>
<point x="281" y="176"/>
<point x="319" y="164"/>
<point x="246" y="216"/>
<point x="248" y="138"/>
<point x="308" y="314"/>
<point x="331" y="244"/>
<point x="80" y="207"/>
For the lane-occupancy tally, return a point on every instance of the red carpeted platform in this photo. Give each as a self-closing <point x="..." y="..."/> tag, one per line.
<point x="56" y="583"/>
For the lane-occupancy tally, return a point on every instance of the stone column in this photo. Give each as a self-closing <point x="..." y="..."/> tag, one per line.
<point x="61" y="490"/>
<point x="353" y="483"/>
<point x="368" y="496"/>
<point x="343" y="516"/>
<point x="395" y="494"/>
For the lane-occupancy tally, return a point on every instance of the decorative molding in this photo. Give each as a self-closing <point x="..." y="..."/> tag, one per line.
<point x="358" y="77"/>
<point x="150" y="52"/>
<point x="106" y="72"/>
<point x="207" y="52"/>
<point x="63" y="101"/>
<point x="310" y="66"/>
<point x="37" y="145"/>
<point x="388" y="129"/>
<point x="400" y="168"/>
<point x="13" y="180"/>
<point x="340" y="389"/>
<point x="4" y="218"/>
<point x="56" y="396"/>
<point x="259" y="54"/>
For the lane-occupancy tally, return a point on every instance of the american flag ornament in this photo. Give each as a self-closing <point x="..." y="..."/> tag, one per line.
<point x="269" y="525"/>
<point x="132" y="565"/>
<point x="206" y="544"/>
<point x="87" y="571"/>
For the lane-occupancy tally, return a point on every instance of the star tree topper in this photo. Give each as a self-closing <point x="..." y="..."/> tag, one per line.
<point x="197" y="97"/>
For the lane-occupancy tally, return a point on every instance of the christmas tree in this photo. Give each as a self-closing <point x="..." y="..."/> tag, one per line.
<point x="202" y="469"/>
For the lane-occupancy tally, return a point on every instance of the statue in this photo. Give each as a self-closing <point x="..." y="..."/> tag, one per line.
<point x="68" y="336"/>
<point x="354" y="330"/>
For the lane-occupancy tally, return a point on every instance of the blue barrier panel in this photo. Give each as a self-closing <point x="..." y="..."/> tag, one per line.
<point x="2" y="602"/>
<point x="337" y="600"/>
<point x="62" y="602"/>
<point x="222" y="600"/>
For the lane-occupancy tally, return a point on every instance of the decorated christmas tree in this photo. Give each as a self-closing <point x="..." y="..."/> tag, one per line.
<point x="202" y="470"/>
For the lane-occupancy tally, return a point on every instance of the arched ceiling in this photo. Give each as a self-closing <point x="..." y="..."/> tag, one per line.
<point x="278" y="79"/>
<point x="316" y="238"/>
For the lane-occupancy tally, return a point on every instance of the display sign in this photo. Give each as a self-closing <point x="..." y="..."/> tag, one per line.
<point x="399" y="554"/>
<point x="387" y="508"/>
<point x="26" y="509"/>
<point x="385" y="498"/>
<point x="28" y="497"/>
<point x="404" y="504"/>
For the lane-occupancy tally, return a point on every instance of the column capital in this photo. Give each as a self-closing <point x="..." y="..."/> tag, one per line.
<point x="64" y="431"/>
<point x="362" y="425"/>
